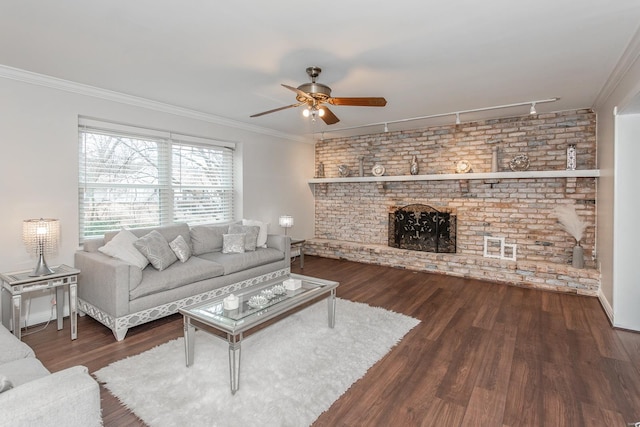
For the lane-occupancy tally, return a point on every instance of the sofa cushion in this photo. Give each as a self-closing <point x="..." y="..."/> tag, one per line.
<point x="121" y="246"/>
<point x="250" y="235"/>
<point x="262" y="235"/>
<point x="242" y="261"/>
<point x="207" y="238"/>
<point x="11" y="348"/>
<point x="22" y="371"/>
<point x="156" y="248"/>
<point x="176" y="275"/>
<point x="180" y="248"/>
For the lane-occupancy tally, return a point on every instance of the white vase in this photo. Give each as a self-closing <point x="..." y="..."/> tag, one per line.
<point x="578" y="257"/>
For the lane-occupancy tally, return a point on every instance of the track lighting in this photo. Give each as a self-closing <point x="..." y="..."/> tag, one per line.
<point x="457" y="118"/>
<point x="386" y="128"/>
<point x="532" y="110"/>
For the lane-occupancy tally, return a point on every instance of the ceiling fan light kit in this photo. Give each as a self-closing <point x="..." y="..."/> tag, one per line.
<point x="315" y="94"/>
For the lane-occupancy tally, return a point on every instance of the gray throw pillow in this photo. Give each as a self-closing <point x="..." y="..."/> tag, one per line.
<point x="156" y="248"/>
<point x="251" y="235"/>
<point x="232" y="243"/>
<point x="207" y="238"/>
<point x="181" y="248"/>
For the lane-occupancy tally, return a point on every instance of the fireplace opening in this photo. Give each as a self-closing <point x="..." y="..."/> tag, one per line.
<point x="422" y="228"/>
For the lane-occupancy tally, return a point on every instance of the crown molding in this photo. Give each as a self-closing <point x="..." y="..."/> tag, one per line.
<point x="109" y="95"/>
<point x="629" y="56"/>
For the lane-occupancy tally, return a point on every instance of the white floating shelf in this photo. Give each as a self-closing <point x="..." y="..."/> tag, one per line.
<point x="585" y="173"/>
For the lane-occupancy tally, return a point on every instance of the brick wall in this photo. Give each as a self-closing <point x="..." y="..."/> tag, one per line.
<point x="518" y="209"/>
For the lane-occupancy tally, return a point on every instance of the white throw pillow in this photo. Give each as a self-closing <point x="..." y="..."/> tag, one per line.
<point x="262" y="235"/>
<point x="121" y="247"/>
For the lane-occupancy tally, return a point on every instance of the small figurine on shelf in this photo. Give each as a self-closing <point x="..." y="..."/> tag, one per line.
<point x="343" y="171"/>
<point x="414" y="168"/>
<point x="320" y="173"/>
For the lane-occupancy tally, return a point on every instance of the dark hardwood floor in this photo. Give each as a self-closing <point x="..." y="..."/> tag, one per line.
<point x="484" y="354"/>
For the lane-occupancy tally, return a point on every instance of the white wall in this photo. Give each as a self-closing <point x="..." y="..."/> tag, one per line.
<point x="612" y="202"/>
<point x="39" y="173"/>
<point x="626" y="290"/>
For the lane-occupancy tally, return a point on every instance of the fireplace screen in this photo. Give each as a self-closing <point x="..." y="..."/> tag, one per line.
<point x="422" y="228"/>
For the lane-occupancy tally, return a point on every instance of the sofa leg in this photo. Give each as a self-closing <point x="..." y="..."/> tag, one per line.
<point x="120" y="333"/>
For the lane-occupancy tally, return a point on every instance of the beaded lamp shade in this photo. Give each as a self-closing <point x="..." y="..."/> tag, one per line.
<point x="40" y="236"/>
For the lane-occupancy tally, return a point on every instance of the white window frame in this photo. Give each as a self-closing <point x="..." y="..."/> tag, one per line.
<point x="165" y="186"/>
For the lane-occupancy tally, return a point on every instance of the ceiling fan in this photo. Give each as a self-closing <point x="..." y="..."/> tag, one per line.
<point x="315" y="95"/>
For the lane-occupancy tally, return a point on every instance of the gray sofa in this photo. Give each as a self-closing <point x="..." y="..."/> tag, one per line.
<point x="121" y="295"/>
<point x="35" y="397"/>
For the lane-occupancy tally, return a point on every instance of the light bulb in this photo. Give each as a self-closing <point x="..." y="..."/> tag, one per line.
<point x="305" y="112"/>
<point x="320" y="112"/>
<point x="533" y="108"/>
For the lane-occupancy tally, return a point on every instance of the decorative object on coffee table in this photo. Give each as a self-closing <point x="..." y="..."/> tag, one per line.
<point x="40" y="236"/>
<point x="572" y="224"/>
<point x="414" y="168"/>
<point x="520" y="162"/>
<point x="572" y="160"/>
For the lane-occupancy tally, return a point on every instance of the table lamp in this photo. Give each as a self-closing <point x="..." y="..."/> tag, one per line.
<point x="286" y="221"/>
<point x="40" y="236"/>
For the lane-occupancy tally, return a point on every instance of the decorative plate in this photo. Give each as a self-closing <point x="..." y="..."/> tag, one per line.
<point x="463" y="166"/>
<point x="377" y="170"/>
<point x="520" y="162"/>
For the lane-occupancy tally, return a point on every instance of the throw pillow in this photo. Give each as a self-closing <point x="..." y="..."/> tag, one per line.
<point x="181" y="248"/>
<point x="156" y="248"/>
<point x="264" y="230"/>
<point x="5" y="384"/>
<point x="232" y="243"/>
<point x="122" y="247"/>
<point x="250" y="232"/>
<point x="207" y="238"/>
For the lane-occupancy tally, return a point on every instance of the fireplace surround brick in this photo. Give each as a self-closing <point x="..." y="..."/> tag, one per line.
<point x="351" y="219"/>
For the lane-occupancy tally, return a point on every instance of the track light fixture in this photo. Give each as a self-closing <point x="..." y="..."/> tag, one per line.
<point x="457" y="118"/>
<point x="386" y="128"/>
<point x="532" y="110"/>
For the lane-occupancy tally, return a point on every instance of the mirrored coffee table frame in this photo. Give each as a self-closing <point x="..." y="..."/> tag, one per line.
<point x="211" y="316"/>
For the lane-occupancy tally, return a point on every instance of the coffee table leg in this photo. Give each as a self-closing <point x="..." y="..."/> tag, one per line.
<point x="234" y="361"/>
<point x="331" y="300"/>
<point x="189" y="340"/>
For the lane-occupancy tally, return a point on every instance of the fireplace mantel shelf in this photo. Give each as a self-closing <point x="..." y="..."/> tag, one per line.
<point x="584" y="173"/>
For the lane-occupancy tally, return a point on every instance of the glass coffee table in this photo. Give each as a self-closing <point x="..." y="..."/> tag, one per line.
<point x="256" y="305"/>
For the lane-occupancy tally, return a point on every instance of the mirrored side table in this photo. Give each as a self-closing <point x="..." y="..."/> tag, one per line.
<point x="297" y="250"/>
<point x="16" y="284"/>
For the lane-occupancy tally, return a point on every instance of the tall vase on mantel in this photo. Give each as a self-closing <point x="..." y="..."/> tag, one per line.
<point x="413" y="166"/>
<point x="577" y="261"/>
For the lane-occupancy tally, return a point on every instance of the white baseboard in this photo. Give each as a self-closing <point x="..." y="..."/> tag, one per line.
<point x="606" y="306"/>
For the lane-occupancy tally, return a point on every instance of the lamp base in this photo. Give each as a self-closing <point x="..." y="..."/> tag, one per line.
<point x="41" y="268"/>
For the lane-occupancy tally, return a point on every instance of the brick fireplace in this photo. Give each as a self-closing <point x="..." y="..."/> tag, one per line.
<point x="352" y="217"/>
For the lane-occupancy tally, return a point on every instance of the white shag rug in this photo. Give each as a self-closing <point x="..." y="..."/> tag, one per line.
<point x="290" y="373"/>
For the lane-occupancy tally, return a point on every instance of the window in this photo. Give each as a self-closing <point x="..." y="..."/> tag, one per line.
<point x="130" y="177"/>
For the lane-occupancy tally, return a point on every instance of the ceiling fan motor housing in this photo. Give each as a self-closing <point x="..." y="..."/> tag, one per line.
<point x="317" y="90"/>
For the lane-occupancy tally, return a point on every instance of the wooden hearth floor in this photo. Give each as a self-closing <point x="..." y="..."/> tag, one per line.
<point x="484" y="354"/>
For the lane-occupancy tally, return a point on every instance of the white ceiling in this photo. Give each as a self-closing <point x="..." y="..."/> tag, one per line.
<point x="228" y="59"/>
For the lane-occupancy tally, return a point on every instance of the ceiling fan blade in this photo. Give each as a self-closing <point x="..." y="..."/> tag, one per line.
<point x="277" y="109"/>
<point x="328" y="117"/>
<point x="304" y="95"/>
<point x="359" y="102"/>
